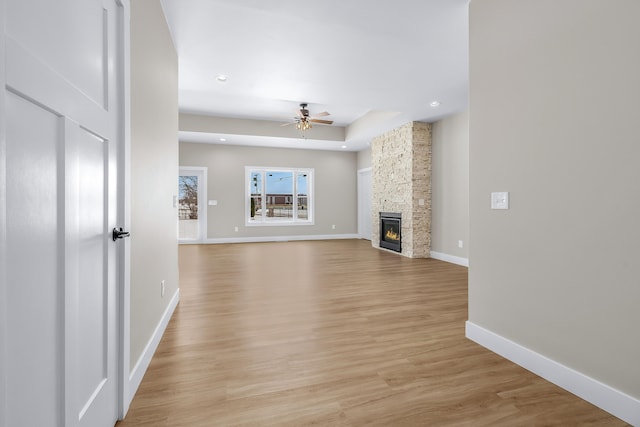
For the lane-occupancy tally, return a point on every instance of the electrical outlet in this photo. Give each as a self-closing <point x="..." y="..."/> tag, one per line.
<point x="460" y="244"/>
<point x="333" y="227"/>
<point x="235" y="229"/>
<point x="162" y="289"/>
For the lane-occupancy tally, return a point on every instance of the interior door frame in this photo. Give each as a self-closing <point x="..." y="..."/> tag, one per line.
<point x="361" y="210"/>
<point x="3" y="223"/>
<point x="202" y="202"/>
<point x="125" y="391"/>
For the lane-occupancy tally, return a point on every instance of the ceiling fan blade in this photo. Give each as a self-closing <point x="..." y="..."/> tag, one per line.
<point x="287" y="124"/>
<point x="323" y="122"/>
<point x="323" y="114"/>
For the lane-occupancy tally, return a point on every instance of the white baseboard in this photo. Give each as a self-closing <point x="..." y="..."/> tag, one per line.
<point x="450" y="258"/>
<point x="603" y="396"/>
<point x="276" y="238"/>
<point x="138" y="371"/>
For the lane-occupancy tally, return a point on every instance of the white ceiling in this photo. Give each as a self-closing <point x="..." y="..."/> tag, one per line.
<point x="372" y="64"/>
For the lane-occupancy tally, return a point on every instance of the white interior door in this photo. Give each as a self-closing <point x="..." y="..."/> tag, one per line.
<point x="62" y="105"/>
<point x="364" y="203"/>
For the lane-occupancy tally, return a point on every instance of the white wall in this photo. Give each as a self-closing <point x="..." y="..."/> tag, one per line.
<point x="364" y="159"/>
<point x="450" y="186"/>
<point x="154" y="171"/>
<point x="335" y="188"/>
<point x="554" y="110"/>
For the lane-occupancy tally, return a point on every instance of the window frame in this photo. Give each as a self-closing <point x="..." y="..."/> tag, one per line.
<point x="294" y="221"/>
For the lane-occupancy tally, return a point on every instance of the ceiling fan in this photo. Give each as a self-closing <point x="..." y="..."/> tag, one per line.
<point x="303" y="119"/>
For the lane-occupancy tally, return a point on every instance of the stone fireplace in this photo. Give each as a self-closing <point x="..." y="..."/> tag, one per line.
<point x="401" y="184"/>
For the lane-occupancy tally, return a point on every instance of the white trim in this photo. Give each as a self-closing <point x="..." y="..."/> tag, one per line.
<point x="274" y="239"/>
<point x="138" y="371"/>
<point x="124" y="214"/>
<point x="279" y="223"/>
<point x="309" y="172"/>
<point x="3" y="225"/>
<point x="603" y="396"/>
<point x="450" y="258"/>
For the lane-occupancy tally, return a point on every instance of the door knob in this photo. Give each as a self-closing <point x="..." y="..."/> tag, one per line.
<point x="118" y="233"/>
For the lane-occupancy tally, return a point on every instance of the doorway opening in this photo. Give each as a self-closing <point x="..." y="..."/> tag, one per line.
<point x="192" y="207"/>
<point x="364" y="203"/>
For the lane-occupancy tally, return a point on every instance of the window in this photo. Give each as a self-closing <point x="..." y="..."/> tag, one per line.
<point x="277" y="196"/>
<point x="192" y="214"/>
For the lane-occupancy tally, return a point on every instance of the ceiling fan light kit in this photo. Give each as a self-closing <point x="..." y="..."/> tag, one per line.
<point x="303" y="119"/>
<point x="303" y="125"/>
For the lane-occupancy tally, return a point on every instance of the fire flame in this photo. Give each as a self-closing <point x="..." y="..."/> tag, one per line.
<point x="392" y="235"/>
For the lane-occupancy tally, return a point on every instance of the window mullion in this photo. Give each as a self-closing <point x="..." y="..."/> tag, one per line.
<point x="295" y="196"/>
<point x="263" y="197"/>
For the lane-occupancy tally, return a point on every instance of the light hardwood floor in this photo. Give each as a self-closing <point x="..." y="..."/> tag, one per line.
<point x="334" y="333"/>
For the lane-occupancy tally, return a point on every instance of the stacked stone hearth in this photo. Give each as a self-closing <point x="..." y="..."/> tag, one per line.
<point x="401" y="182"/>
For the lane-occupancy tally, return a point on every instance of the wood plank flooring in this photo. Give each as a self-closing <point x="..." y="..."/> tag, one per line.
<point x="334" y="333"/>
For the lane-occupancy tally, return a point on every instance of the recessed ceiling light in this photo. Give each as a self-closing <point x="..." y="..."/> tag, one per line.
<point x="223" y="139"/>
<point x="435" y="104"/>
<point x="343" y="146"/>
<point x="222" y="78"/>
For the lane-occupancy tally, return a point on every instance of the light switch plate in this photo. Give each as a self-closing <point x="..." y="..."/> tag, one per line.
<point x="213" y="202"/>
<point x="500" y="200"/>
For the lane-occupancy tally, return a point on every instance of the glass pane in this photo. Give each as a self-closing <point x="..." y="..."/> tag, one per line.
<point x="188" y="207"/>
<point x="279" y="196"/>
<point x="255" y="184"/>
<point x="303" y="196"/>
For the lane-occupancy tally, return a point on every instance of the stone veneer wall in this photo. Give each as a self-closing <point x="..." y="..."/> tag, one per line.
<point x="401" y="178"/>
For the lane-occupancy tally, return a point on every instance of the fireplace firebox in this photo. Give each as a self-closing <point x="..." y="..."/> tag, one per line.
<point x="390" y="231"/>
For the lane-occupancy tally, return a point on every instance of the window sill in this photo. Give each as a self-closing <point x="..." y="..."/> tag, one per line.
<point x="278" y="223"/>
